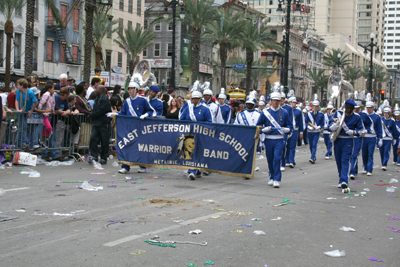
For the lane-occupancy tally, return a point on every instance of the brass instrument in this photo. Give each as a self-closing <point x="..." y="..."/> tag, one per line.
<point x="315" y="127"/>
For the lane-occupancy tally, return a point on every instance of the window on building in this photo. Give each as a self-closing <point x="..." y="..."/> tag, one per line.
<point x="62" y="53"/>
<point x="390" y="28"/>
<point x="36" y="9"/>
<point x="130" y="6"/>
<point x="389" y="34"/>
<point x="157" y="75"/>
<point x="108" y="60"/>
<point x="119" y="59"/>
<point x="121" y="5"/>
<point x="109" y="19"/>
<point x="169" y="50"/>
<point x="168" y="76"/>
<point x="363" y="36"/>
<point x="364" y="22"/>
<point x="365" y="7"/>
<point x="75" y="53"/>
<point x="129" y="23"/>
<point x="63" y="13"/>
<point x="138" y="25"/>
<point x="76" y="20"/>
<point x="156" y="50"/>
<point x="17" y="51"/>
<point x="1" y="47"/>
<point x="145" y="52"/>
<point x="49" y="51"/>
<point x="50" y="19"/>
<point x="364" y="29"/>
<point x="121" y="26"/>
<point x="269" y="11"/>
<point x="145" y="24"/>
<point x="390" y="15"/>
<point x="139" y="7"/>
<point x="170" y="27"/>
<point x="18" y="12"/>
<point x="128" y="60"/>
<point x="157" y="27"/>
<point x="364" y="14"/>
<point x="389" y="41"/>
<point x="392" y="9"/>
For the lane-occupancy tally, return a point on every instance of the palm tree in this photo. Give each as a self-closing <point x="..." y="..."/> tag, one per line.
<point x="30" y="21"/>
<point x="226" y="32"/>
<point x="351" y="74"/>
<point x="256" y="36"/>
<point x="134" y="41"/>
<point x="331" y="58"/>
<point x="101" y="28"/>
<point x="90" y="7"/>
<point x="319" y="78"/>
<point x="198" y="14"/>
<point x="8" y="8"/>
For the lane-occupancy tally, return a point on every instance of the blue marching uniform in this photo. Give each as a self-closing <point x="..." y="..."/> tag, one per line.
<point x="373" y="126"/>
<point x="157" y="105"/>
<point x="396" y="159"/>
<point x="391" y="134"/>
<point x="198" y="113"/>
<point x="356" y="152"/>
<point x="327" y="138"/>
<point x="136" y="107"/>
<point x="286" y="138"/>
<point x="226" y="112"/>
<point x="298" y="126"/>
<point x="317" y="119"/>
<point x="274" y="139"/>
<point x="215" y="111"/>
<point x="344" y="144"/>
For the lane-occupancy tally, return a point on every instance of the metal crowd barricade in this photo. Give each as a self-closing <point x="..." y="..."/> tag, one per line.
<point x="20" y="133"/>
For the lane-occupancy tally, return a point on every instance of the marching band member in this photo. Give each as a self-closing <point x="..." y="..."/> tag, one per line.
<point x="226" y="110"/>
<point x="298" y="127"/>
<point x="261" y="107"/>
<point x="214" y="108"/>
<point x="357" y="144"/>
<point x="154" y="101"/>
<point x="250" y="115"/>
<point x="286" y="138"/>
<point x="396" y="159"/>
<point x="373" y="126"/>
<point x="327" y="139"/>
<point x="343" y="145"/>
<point x="276" y="123"/>
<point x="315" y="121"/>
<point x="136" y="106"/>
<point x="391" y="135"/>
<point x="305" y="132"/>
<point x="195" y="111"/>
<point x="261" y="103"/>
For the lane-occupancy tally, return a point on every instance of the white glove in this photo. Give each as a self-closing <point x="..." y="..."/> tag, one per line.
<point x="394" y="141"/>
<point x="318" y="127"/>
<point x="266" y="129"/>
<point x="334" y="127"/>
<point x="380" y="143"/>
<point x="310" y="128"/>
<point x="350" y="132"/>
<point x="144" y="116"/>
<point x="285" y="130"/>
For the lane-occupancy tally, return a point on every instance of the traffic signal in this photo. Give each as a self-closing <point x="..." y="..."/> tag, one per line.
<point x="382" y="94"/>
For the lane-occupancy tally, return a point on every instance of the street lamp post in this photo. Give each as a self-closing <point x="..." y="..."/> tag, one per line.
<point x="173" y="4"/>
<point x="370" y="48"/>
<point x="338" y="59"/>
<point x="287" y="34"/>
<point x="390" y="87"/>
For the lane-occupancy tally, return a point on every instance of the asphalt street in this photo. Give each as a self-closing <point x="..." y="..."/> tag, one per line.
<point x="49" y="221"/>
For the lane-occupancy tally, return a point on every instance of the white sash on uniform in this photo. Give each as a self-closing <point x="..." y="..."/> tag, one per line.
<point x="131" y="110"/>
<point x="191" y="112"/>
<point x="273" y="121"/>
